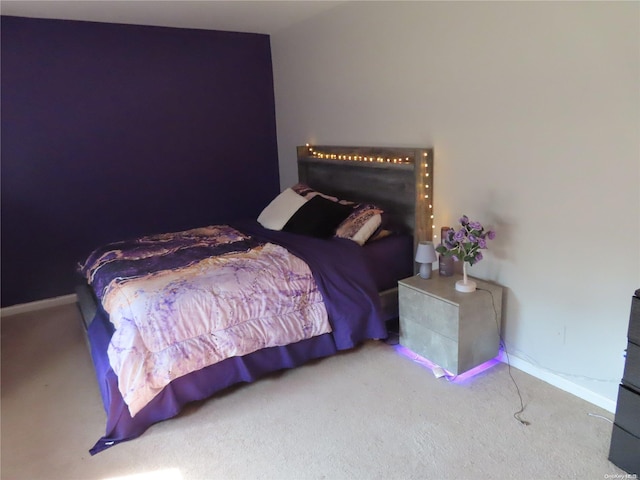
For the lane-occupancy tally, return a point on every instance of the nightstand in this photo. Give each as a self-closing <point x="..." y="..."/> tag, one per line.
<point x="457" y="331"/>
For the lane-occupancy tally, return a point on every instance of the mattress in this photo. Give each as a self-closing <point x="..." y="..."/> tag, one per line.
<point x="389" y="259"/>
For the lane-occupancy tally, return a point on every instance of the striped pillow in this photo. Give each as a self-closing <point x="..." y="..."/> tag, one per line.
<point x="361" y="224"/>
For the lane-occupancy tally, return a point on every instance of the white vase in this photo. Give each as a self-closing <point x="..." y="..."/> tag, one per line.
<point x="465" y="285"/>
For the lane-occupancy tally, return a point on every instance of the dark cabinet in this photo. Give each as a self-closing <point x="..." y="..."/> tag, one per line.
<point x="625" y="437"/>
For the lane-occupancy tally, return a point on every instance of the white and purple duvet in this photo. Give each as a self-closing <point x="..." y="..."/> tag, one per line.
<point x="168" y="306"/>
<point x="229" y="296"/>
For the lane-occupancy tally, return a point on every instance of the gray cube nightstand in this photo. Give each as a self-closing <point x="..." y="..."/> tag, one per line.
<point x="457" y="331"/>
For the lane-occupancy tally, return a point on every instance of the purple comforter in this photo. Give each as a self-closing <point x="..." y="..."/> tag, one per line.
<point x="352" y="303"/>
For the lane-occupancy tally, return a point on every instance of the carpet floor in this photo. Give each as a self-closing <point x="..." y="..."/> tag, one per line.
<point x="370" y="413"/>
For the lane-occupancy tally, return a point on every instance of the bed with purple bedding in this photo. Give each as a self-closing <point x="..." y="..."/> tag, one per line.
<point x="172" y="321"/>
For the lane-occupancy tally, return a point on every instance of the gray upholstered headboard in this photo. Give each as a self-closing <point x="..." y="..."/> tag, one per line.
<point x="400" y="180"/>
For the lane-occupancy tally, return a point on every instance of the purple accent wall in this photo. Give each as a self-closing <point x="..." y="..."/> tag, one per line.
<point x="112" y="131"/>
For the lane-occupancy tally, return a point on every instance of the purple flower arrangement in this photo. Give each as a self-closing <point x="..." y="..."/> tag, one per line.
<point x="465" y="244"/>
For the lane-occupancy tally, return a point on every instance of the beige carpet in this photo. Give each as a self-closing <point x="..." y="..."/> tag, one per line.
<point x="367" y="414"/>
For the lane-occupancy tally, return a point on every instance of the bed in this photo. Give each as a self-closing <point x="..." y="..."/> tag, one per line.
<point x="335" y="291"/>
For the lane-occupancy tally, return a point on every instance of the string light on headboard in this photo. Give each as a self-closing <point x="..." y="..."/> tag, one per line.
<point x="427" y="192"/>
<point x="353" y="157"/>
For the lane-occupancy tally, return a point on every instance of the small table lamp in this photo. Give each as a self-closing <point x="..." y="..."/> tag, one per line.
<point x="425" y="256"/>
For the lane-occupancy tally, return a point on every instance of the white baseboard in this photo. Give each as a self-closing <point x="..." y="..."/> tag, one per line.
<point x="38" y="305"/>
<point x="560" y="382"/>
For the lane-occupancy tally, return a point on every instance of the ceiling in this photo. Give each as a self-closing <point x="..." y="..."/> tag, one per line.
<point x="266" y="16"/>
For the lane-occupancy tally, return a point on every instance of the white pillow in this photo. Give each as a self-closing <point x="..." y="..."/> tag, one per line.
<point x="281" y="209"/>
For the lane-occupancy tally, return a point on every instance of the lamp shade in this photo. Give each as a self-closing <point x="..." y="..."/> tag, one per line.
<point x="426" y="253"/>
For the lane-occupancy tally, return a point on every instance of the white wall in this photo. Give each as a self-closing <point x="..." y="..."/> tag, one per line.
<point x="533" y="109"/>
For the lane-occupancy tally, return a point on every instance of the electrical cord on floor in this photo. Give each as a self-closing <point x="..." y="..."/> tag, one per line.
<point x="516" y="415"/>
<point x="600" y="416"/>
